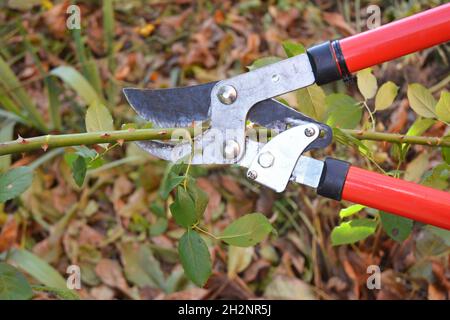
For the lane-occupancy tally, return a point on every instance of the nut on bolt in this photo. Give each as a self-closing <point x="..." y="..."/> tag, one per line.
<point x="251" y="174"/>
<point x="309" y="132"/>
<point x="227" y="94"/>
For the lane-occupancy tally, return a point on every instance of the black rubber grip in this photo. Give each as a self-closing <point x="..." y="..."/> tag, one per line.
<point x="333" y="178"/>
<point x="324" y="64"/>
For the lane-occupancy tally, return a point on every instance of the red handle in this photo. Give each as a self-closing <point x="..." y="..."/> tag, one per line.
<point x="397" y="196"/>
<point x="397" y="39"/>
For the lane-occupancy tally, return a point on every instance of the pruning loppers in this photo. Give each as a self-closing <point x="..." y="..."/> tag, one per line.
<point x="227" y="106"/>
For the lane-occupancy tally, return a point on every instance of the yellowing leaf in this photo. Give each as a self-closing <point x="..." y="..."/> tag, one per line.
<point x="416" y="168"/>
<point x="386" y="95"/>
<point x="443" y="107"/>
<point x="98" y="118"/>
<point x="311" y="101"/>
<point x="421" y="100"/>
<point x="238" y="259"/>
<point x="367" y="83"/>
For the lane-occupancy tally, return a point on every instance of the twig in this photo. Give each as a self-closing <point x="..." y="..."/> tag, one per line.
<point x="66" y="140"/>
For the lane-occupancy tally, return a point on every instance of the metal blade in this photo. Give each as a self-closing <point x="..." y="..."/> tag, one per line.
<point x="175" y="107"/>
<point x="269" y="113"/>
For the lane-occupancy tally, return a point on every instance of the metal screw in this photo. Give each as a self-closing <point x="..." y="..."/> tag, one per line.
<point x="275" y="78"/>
<point x="227" y="94"/>
<point x="231" y="149"/>
<point x="309" y="132"/>
<point x="252" y="174"/>
<point x="266" y="159"/>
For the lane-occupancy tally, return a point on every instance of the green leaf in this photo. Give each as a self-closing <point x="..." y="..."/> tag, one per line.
<point x="421" y="100"/>
<point x="443" y="107"/>
<point x="199" y="197"/>
<point x="79" y="170"/>
<point x="353" y="231"/>
<point x="438" y="177"/>
<point x="343" y="111"/>
<point x="10" y="83"/>
<point x="311" y="101"/>
<point x="171" y="179"/>
<point x="417" y="129"/>
<point x="159" y="227"/>
<point x="98" y="118"/>
<point x="37" y="268"/>
<point x="293" y="49"/>
<point x="183" y="209"/>
<point x="79" y="83"/>
<point x="263" y="62"/>
<point x="385" y="96"/>
<point x="367" y="83"/>
<point x="397" y="227"/>
<point x="350" y="210"/>
<point x="14" y="182"/>
<point x="195" y="258"/>
<point x="60" y="293"/>
<point x="13" y="284"/>
<point x="247" y="231"/>
<point x="446" y="154"/>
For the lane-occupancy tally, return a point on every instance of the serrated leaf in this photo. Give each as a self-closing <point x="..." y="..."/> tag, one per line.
<point x="397" y="227"/>
<point x="183" y="209"/>
<point x="385" y="95"/>
<point x="421" y="100"/>
<point x="353" y="231"/>
<point x="195" y="258"/>
<point x="13" y="284"/>
<point x="79" y="169"/>
<point x="293" y="49"/>
<point x="350" y="210"/>
<point x="14" y="182"/>
<point x="367" y="83"/>
<point x="443" y="107"/>
<point x="98" y="118"/>
<point x="247" y="231"/>
<point x="79" y="83"/>
<point x="259" y="63"/>
<point x="343" y="111"/>
<point x="311" y="101"/>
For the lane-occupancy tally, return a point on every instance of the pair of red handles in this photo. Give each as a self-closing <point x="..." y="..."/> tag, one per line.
<point x="399" y="38"/>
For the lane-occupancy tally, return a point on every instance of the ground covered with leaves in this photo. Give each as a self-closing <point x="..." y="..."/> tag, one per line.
<point x="112" y="209"/>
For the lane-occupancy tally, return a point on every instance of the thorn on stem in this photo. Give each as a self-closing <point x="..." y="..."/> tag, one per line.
<point x="22" y="140"/>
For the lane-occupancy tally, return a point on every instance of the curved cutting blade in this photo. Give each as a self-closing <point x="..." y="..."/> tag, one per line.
<point x="174" y="107"/>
